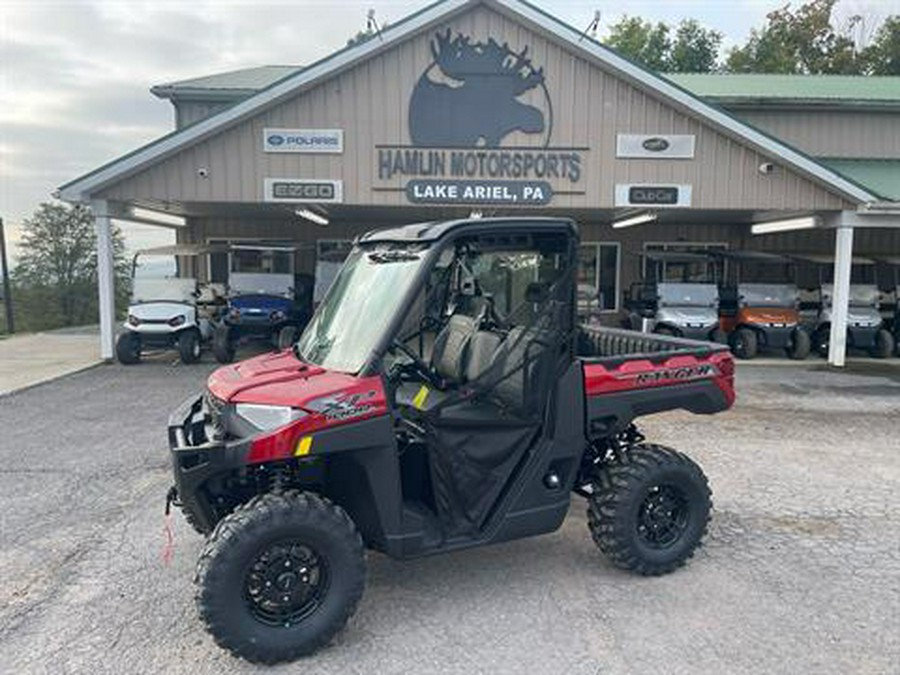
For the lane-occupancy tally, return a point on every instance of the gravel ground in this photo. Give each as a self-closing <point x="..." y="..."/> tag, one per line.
<point x="801" y="571"/>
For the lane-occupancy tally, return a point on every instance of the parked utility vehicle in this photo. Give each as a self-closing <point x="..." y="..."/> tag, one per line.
<point x="865" y="326"/>
<point x="442" y="397"/>
<point x="262" y="303"/>
<point x="890" y="299"/>
<point x="168" y="309"/>
<point x="681" y="308"/>
<point x="761" y="314"/>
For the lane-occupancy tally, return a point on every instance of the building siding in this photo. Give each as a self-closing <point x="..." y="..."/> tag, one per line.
<point x="846" y="134"/>
<point x="370" y="103"/>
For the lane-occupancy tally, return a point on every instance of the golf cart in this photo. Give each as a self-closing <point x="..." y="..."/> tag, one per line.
<point x="168" y="310"/>
<point x="262" y="304"/>
<point x="671" y="302"/>
<point x="759" y="306"/>
<point x="890" y="299"/>
<point x="865" y="327"/>
<point x="442" y="397"/>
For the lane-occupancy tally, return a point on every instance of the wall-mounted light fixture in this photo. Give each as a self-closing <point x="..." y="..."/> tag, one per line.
<point x="787" y="225"/>
<point x="312" y="217"/>
<point x="639" y="219"/>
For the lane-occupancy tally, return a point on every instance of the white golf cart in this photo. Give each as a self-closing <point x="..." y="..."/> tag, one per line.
<point x="865" y="327"/>
<point x="168" y="310"/>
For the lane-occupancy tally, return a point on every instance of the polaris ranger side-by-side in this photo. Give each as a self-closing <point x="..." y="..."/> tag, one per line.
<point x="442" y="397"/>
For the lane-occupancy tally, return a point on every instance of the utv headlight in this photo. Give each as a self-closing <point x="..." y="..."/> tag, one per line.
<point x="133" y="320"/>
<point x="176" y="321"/>
<point x="267" y="417"/>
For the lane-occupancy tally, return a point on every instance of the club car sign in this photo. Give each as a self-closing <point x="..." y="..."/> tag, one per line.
<point x="461" y="110"/>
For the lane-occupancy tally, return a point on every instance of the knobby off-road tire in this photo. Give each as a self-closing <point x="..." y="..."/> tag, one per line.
<point x="313" y="540"/>
<point x="189" y="346"/>
<point x="128" y="348"/>
<point x="223" y="347"/>
<point x="631" y="501"/>
<point x="744" y="343"/>
<point x="800" y="345"/>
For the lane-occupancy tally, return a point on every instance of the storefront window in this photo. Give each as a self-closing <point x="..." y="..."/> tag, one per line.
<point x="598" y="277"/>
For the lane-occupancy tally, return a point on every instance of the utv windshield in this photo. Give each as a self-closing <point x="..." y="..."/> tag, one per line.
<point x="768" y="295"/>
<point x="687" y="295"/>
<point x="359" y="306"/>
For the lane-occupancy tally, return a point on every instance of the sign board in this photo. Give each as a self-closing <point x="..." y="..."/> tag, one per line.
<point x="301" y="191"/>
<point x="655" y="146"/>
<point x="303" y="140"/>
<point x="523" y="193"/>
<point x="657" y="196"/>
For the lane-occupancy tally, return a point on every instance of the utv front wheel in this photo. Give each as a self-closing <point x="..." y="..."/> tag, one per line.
<point x="189" y="346"/>
<point x="799" y="346"/>
<point x="280" y="576"/>
<point x="287" y="336"/>
<point x="884" y="345"/>
<point x="128" y="348"/>
<point x="649" y="511"/>
<point x="744" y="343"/>
<point x="223" y="347"/>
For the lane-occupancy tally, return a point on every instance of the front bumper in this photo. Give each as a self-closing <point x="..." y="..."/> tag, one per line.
<point x="776" y="337"/>
<point x="197" y="456"/>
<point x="704" y="333"/>
<point x="862" y="337"/>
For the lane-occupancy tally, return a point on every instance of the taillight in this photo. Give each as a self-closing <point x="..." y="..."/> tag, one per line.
<point x="176" y="321"/>
<point x="133" y="320"/>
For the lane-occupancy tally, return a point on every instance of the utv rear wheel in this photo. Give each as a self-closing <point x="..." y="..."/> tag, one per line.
<point x="744" y="343"/>
<point x="223" y="347"/>
<point x="799" y="346"/>
<point x="189" y="346"/>
<point x="128" y="348"/>
<point x="884" y="345"/>
<point x="280" y="576"/>
<point x="649" y="511"/>
<point x="287" y="336"/>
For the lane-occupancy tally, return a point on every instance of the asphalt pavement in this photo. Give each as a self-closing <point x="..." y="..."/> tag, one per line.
<point x="800" y="573"/>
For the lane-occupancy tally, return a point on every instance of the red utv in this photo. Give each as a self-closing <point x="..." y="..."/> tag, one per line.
<point x="442" y="397"/>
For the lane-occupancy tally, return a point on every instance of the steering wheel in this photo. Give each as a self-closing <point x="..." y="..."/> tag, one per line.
<point x="418" y="366"/>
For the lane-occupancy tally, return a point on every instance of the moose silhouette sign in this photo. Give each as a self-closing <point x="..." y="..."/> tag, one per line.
<point x="480" y="121"/>
<point x="477" y="101"/>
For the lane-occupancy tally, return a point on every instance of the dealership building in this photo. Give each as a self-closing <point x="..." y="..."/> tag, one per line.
<point x="496" y="107"/>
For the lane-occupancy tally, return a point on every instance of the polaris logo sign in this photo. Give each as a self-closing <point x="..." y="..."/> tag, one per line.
<point x="303" y="140"/>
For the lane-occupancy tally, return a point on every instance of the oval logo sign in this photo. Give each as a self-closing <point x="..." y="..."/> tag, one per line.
<point x="655" y="144"/>
<point x="276" y="139"/>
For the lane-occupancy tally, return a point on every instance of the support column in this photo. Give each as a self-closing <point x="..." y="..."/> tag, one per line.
<point x="105" y="278"/>
<point x="843" y="259"/>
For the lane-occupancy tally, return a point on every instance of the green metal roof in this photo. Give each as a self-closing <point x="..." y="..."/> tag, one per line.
<point x="881" y="176"/>
<point x="246" y="81"/>
<point x="823" y="89"/>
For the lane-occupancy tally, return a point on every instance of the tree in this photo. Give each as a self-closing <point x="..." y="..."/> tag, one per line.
<point x="882" y="57"/>
<point x="694" y="49"/>
<point x="804" y="41"/>
<point x="57" y="266"/>
<point x="641" y="41"/>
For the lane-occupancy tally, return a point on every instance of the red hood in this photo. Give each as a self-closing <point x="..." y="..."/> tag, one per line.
<point x="282" y="379"/>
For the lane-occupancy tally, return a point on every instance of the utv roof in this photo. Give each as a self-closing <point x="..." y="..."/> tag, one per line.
<point x="676" y="256"/>
<point x="753" y="256"/>
<point x="827" y="258"/>
<point x="432" y="231"/>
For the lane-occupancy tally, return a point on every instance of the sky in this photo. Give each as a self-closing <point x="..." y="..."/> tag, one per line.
<point x="75" y="75"/>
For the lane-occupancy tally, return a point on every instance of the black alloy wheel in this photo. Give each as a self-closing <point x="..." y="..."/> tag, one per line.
<point x="286" y="583"/>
